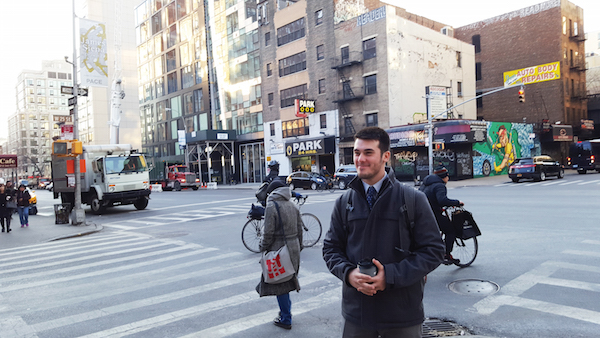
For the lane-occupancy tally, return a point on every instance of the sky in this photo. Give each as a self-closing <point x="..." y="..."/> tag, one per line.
<point x="37" y="30"/>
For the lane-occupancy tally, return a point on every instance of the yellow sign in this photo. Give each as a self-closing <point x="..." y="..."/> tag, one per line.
<point x="535" y="74"/>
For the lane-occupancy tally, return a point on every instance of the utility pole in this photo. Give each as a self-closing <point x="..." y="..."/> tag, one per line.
<point x="78" y="214"/>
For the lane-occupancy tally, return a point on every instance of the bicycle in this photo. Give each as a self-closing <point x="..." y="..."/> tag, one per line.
<point x="465" y="249"/>
<point x="253" y="230"/>
<point x="330" y="185"/>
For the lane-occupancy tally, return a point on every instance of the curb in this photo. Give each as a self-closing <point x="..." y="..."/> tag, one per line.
<point x="97" y="228"/>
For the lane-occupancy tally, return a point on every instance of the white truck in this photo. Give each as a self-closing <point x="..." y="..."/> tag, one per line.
<point x="110" y="175"/>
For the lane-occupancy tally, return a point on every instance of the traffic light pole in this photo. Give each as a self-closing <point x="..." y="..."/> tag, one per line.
<point x="78" y="214"/>
<point x="431" y="118"/>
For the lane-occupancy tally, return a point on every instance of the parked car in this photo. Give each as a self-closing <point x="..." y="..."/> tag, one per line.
<point x="344" y="174"/>
<point x="537" y="168"/>
<point x="306" y="180"/>
<point x="49" y="186"/>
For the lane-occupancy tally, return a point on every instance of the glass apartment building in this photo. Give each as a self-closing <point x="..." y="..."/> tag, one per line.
<point x="199" y="71"/>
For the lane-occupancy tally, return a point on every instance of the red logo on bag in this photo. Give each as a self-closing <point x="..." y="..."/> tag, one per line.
<point x="275" y="267"/>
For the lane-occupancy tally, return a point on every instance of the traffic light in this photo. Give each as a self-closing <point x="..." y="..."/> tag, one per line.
<point x="522" y="95"/>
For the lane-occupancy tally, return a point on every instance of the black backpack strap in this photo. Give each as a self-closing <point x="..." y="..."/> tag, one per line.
<point x="408" y="209"/>
<point x="347" y="206"/>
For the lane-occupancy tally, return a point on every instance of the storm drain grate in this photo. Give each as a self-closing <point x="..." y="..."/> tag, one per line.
<point x="438" y="328"/>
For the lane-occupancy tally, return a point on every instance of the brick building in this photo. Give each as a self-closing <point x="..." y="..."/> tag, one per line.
<point x="545" y="33"/>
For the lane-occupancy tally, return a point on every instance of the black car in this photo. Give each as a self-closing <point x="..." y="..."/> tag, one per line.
<point x="583" y="155"/>
<point x="537" y="168"/>
<point x="306" y="180"/>
<point x="344" y="174"/>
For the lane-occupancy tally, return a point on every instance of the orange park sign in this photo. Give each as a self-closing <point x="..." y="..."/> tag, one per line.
<point x="535" y="74"/>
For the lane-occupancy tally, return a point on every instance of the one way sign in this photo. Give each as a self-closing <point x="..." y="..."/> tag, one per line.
<point x="69" y="90"/>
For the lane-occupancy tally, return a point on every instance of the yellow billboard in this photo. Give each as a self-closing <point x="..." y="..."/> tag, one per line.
<point x="535" y="74"/>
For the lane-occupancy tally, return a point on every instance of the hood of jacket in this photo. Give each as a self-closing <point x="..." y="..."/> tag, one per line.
<point x="280" y="194"/>
<point x="432" y="179"/>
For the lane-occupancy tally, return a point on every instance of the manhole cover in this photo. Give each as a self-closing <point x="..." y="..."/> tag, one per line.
<point x="170" y="234"/>
<point x="474" y="287"/>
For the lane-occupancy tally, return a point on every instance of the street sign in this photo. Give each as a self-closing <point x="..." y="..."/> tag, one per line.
<point x="62" y="118"/>
<point x="69" y="90"/>
<point x="66" y="132"/>
<point x="72" y="101"/>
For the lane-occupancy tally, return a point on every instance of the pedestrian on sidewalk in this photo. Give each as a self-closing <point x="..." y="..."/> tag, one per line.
<point x="23" y="205"/>
<point x="5" y="212"/>
<point x="274" y="238"/>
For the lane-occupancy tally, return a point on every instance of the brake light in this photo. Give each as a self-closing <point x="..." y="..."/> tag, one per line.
<point x="592" y="159"/>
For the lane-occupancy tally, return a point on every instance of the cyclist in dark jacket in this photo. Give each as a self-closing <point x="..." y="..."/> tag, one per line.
<point x="434" y="186"/>
<point x="390" y="303"/>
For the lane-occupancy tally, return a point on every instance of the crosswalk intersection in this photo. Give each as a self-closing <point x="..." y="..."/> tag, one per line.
<point x="125" y="283"/>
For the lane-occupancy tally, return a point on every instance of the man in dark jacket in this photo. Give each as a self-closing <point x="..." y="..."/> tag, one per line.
<point x="372" y="225"/>
<point x="434" y="186"/>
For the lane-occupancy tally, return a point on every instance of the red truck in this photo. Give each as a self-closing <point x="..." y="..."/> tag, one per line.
<point x="173" y="177"/>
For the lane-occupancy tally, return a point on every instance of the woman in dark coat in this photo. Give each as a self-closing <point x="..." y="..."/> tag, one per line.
<point x="5" y="212"/>
<point x="273" y="240"/>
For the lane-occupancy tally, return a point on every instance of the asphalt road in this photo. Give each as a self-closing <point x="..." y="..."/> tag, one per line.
<point x="179" y="269"/>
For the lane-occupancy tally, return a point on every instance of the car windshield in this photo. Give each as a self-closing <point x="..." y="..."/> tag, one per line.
<point x="115" y="165"/>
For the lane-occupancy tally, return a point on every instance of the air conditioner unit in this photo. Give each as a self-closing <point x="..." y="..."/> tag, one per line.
<point x="449" y="31"/>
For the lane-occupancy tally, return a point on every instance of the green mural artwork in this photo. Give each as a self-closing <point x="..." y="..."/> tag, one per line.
<point x="505" y="143"/>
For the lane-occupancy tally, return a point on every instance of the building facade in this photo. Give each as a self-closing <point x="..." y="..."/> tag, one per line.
<point x="300" y="117"/>
<point x="32" y="127"/>
<point x="94" y="110"/>
<point x="523" y="41"/>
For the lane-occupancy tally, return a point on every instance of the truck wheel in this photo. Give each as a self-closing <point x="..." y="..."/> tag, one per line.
<point x="96" y="205"/>
<point x="141" y="203"/>
<point x="177" y="186"/>
<point x="194" y="188"/>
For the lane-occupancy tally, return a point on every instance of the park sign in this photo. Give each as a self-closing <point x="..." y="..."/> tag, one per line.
<point x="534" y="74"/>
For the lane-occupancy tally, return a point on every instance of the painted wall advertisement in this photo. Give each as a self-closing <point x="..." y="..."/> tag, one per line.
<point x="534" y="74"/>
<point x="505" y="143"/>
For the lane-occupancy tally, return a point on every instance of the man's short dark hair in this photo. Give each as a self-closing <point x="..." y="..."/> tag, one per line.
<point x="375" y="133"/>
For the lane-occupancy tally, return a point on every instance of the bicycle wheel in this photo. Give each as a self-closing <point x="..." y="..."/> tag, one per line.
<point x="465" y="250"/>
<point x="312" y="230"/>
<point x="332" y="187"/>
<point x="252" y="234"/>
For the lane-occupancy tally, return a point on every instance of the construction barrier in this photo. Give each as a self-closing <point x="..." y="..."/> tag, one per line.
<point x="211" y="185"/>
<point x="156" y="187"/>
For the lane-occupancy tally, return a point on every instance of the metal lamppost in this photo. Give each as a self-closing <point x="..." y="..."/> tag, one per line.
<point x="78" y="214"/>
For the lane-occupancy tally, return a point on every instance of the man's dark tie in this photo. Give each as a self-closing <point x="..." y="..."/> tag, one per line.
<point x="371" y="196"/>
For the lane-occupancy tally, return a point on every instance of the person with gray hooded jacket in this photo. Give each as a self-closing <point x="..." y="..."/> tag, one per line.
<point x="273" y="239"/>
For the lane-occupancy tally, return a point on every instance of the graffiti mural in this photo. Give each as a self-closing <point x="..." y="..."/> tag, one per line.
<point x="348" y="9"/>
<point x="505" y="143"/>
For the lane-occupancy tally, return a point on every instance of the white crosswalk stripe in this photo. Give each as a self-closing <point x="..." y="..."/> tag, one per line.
<point x="128" y="283"/>
<point x="514" y="293"/>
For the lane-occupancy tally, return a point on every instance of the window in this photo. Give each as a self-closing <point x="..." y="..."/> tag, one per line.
<point x="272" y="127"/>
<point x="459" y="89"/>
<point x="290" y="32"/>
<point x="345" y="55"/>
<point x="171" y="61"/>
<point x="187" y="77"/>
<point x="267" y="38"/>
<point x="320" y="52"/>
<point x="322" y="86"/>
<point x="476" y="41"/>
<point x="323" y="120"/>
<point x="270" y="69"/>
<point x="232" y="23"/>
<point x="287" y="96"/>
<point x="369" y="49"/>
<point x="371" y="84"/>
<point x="198" y="103"/>
<point x="564" y="22"/>
<point x="270" y="99"/>
<point x="172" y="82"/>
<point x="292" y="64"/>
<point x="479" y="102"/>
<point x="295" y="127"/>
<point x="478" y="71"/>
<point x="318" y="17"/>
<point x="371" y="120"/>
<point x="458" y="59"/>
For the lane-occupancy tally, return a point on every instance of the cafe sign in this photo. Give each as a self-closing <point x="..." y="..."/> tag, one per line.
<point x="8" y="161"/>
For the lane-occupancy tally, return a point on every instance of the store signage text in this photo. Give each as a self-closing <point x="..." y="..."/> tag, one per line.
<point x="304" y="148"/>
<point x="535" y="74"/>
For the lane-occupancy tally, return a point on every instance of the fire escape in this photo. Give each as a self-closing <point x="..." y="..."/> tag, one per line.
<point x="344" y="97"/>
